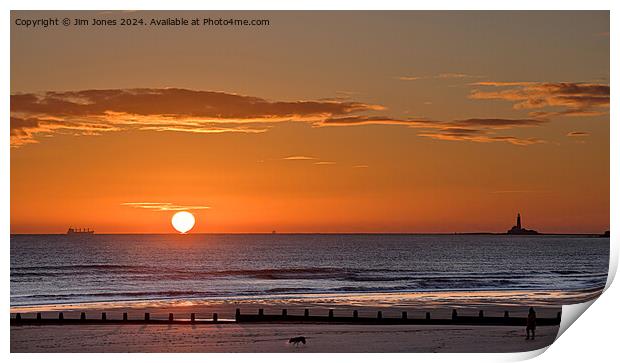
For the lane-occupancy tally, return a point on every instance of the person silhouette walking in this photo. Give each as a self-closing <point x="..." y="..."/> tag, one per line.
<point x="531" y="324"/>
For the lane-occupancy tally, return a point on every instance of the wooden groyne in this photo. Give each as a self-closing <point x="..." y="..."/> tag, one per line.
<point x="285" y="317"/>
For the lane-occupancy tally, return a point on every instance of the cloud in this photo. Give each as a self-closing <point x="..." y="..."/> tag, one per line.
<point x="163" y="207"/>
<point x="360" y="166"/>
<point x="517" y="191"/>
<point x="477" y="135"/>
<point x="578" y="134"/>
<point x="572" y="99"/>
<point x="447" y="75"/>
<point x="501" y="84"/>
<point x="176" y="103"/>
<point x="325" y="163"/>
<point x="483" y="139"/>
<point x="24" y="130"/>
<point x="160" y="109"/>
<point x="498" y="123"/>
<point x="299" y="157"/>
<point x="456" y="75"/>
<point x="472" y="129"/>
<point x="371" y="120"/>
<point x="516" y="140"/>
<point x="94" y="112"/>
<point x="494" y="123"/>
<point x="409" y="78"/>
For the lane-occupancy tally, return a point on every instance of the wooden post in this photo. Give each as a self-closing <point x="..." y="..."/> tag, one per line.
<point x="18" y="316"/>
<point x="559" y="316"/>
<point x="306" y="313"/>
<point x="379" y="315"/>
<point x="404" y="315"/>
<point x="192" y="317"/>
<point x="147" y="316"/>
<point x="103" y="316"/>
<point x="454" y="314"/>
<point x="261" y="312"/>
<point x="82" y="316"/>
<point x="60" y="316"/>
<point x="481" y="314"/>
<point x="506" y="315"/>
<point x="170" y="317"/>
<point x="214" y="317"/>
<point x="428" y="316"/>
<point x="38" y="316"/>
<point x="124" y="316"/>
<point x="354" y="314"/>
<point x="284" y="312"/>
<point x="237" y="314"/>
<point x="330" y="314"/>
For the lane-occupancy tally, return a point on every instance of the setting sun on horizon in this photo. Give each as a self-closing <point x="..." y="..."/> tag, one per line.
<point x="183" y="221"/>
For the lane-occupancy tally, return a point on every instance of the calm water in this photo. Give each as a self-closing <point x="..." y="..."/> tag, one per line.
<point x="49" y="269"/>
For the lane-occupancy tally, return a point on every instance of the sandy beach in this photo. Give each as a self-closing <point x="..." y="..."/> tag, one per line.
<point x="274" y="338"/>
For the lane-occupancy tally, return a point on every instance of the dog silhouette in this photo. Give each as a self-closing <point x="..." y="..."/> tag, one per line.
<point x="297" y="340"/>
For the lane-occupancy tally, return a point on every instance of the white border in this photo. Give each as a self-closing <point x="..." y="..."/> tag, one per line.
<point x="595" y="331"/>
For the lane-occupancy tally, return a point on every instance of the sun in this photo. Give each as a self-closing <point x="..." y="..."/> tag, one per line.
<point x="183" y="221"/>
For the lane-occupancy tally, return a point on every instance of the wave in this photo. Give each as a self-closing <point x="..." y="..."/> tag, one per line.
<point x="172" y="293"/>
<point x="125" y="281"/>
<point x="367" y="274"/>
<point x="38" y="299"/>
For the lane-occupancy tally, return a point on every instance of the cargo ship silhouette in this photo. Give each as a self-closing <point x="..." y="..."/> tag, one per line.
<point x="80" y="231"/>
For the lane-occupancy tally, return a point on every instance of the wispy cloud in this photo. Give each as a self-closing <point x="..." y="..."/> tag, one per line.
<point x="370" y="120"/>
<point x="163" y="206"/>
<point x="578" y="134"/>
<point x="494" y="123"/>
<point x="573" y="99"/>
<point x="409" y="78"/>
<point x="299" y="157"/>
<point x="325" y="163"/>
<point x="473" y="129"/>
<point x="477" y="135"/>
<point x="360" y="166"/>
<point x="497" y="123"/>
<point x="456" y="75"/>
<point x="524" y="191"/>
<point x="446" y="75"/>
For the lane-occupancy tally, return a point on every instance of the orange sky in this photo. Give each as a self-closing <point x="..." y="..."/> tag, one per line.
<point x="455" y="124"/>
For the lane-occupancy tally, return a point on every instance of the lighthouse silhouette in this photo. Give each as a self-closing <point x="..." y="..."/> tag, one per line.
<point x="518" y="229"/>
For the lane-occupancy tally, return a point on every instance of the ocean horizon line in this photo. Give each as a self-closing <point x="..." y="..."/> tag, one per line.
<point x="593" y="234"/>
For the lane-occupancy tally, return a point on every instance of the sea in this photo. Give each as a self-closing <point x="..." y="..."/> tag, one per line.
<point x="61" y="269"/>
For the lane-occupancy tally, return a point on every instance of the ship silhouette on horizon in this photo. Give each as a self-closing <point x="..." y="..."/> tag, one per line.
<point x="517" y="229"/>
<point x="80" y="231"/>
